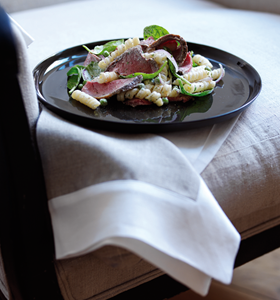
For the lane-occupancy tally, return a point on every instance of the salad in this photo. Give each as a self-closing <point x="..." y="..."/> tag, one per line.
<point x="154" y="71"/>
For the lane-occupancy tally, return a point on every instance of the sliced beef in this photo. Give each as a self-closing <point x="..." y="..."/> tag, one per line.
<point x="187" y="65"/>
<point x="181" y="97"/>
<point x="179" y="53"/>
<point x="146" y="43"/>
<point x="132" y="61"/>
<point x="136" y="102"/>
<point x="91" y="57"/>
<point x="107" y="90"/>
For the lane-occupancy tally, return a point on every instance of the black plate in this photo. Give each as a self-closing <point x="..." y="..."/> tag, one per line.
<point x="238" y="89"/>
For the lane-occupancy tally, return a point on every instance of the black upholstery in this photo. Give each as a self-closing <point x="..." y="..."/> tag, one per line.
<point x="25" y="232"/>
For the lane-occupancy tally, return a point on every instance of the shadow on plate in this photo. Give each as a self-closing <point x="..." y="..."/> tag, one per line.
<point x="173" y="112"/>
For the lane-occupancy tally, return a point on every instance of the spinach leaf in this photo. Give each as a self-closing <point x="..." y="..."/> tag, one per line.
<point x="75" y="75"/>
<point x="145" y="75"/>
<point x="155" y="31"/>
<point x="110" y="46"/>
<point x="173" y="71"/>
<point x="91" y="71"/>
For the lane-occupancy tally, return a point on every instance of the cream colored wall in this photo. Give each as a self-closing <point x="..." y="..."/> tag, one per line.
<point x="19" y="5"/>
<point x="272" y="6"/>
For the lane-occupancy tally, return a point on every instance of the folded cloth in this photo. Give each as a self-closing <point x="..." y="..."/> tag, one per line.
<point x="200" y="145"/>
<point x="135" y="191"/>
<point x="26" y="36"/>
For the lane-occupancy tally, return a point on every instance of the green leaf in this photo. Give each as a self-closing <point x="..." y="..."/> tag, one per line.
<point x="90" y="51"/>
<point x="173" y="71"/>
<point x="155" y="31"/>
<point x="75" y="75"/>
<point x="110" y="47"/>
<point x="145" y="75"/>
<point x="92" y="71"/>
<point x="73" y="70"/>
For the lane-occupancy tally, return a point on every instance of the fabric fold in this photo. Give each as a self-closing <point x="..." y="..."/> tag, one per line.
<point x="138" y="192"/>
<point x="186" y="239"/>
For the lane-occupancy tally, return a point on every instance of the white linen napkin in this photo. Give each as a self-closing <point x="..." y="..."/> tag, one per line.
<point x="199" y="146"/>
<point x="139" y="192"/>
<point x="26" y="36"/>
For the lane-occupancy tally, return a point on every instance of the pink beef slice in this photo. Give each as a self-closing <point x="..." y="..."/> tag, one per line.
<point x="179" y="54"/>
<point x="146" y="43"/>
<point x="132" y="61"/>
<point x="91" y="57"/>
<point x="107" y="90"/>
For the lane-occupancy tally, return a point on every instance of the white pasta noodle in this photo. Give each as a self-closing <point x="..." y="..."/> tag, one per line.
<point x="201" y="60"/>
<point x="156" y="88"/>
<point x="131" y="93"/>
<point x="148" y="84"/>
<point x="174" y="93"/>
<point x="120" y="96"/>
<point x="159" y="58"/>
<point x="120" y="50"/>
<point x="85" y="99"/>
<point x="134" y="93"/>
<point x="163" y="89"/>
<point x="149" y="55"/>
<point x="195" y="75"/>
<point x="196" y="87"/>
<point x="215" y="74"/>
<point x="165" y="72"/>
<point x="153" y="97"/>
<point x="143" y="93"/>
<point x="162" y="77"/>
<point x="159" y="102"/>
<point x="106" y="77"/>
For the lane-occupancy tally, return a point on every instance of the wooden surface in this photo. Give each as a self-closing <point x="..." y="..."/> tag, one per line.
<point x="257" y="280"/>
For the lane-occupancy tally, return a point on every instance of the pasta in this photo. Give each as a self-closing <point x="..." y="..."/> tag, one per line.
<point x="215" y="74"/>
<point x="163" y="89"/>
<point x="85" y="99"/>
<point x="196" y="74"/>
<point x="196" y="87"/>
<point x="201" y="60"/>
<point x="106" y="77"/>
<point x="174" y="93"/>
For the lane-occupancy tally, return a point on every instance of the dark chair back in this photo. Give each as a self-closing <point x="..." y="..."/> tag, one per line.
<point x="25" y="229"/>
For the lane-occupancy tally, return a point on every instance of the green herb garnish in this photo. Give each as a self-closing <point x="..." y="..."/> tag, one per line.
<point x="173" y="71"/>
<point x="75" y="75"/>
<point x="109" y="47"/>
<point x="155" y="31"/>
